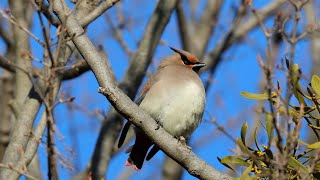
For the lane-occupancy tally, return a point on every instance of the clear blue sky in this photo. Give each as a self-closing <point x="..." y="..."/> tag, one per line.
<point x="238" y="72"/>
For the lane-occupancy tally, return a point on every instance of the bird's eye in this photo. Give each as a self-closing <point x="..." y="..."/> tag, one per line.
<point x="185" y="60"/>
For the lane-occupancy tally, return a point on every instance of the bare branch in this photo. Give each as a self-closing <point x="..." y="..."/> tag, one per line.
<point x="20" y="136"/>
<point x="12" y="20"/>
<point x="21" y="172"/>
<point x="5" y="35"/>
<point x="183" y="28"/>
<point x="46" y="12"/>
<point x="6" y="64"/>
<point x="315" y="40"/>
<point x="74" y="70"/>
<point x="86" y="20"/>
<point x="27" y="95"/>
<point x="6" y="94"/>
<point x="203" y="29"/>
<point x="117" y="34"/>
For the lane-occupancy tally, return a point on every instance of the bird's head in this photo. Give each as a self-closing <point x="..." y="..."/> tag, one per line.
<point x="183" y="58"/>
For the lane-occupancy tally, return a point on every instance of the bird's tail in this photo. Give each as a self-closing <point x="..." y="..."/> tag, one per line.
<point x="139" y="151"/>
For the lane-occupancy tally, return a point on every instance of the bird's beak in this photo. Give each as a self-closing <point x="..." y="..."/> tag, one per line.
<point x="199" y="65"/>
<point x="196" y="67"/>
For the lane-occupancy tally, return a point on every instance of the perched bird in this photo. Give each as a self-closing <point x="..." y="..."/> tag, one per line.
<point x="175" y="97"/>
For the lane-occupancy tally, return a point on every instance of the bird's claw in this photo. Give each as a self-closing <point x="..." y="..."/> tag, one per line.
<point x="158" y="125"/>
<point x="182" y="140"/>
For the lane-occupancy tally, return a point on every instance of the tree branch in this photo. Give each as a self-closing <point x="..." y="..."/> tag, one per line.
<point x="183" y="28"/>
<point x="46" y="12"/>
<point x="26" y="94"/>
<point x="74" y="70"/>
<point x="203" y="30"/>
<point x="97" y="12"/>
<point x="315" y="40"/>
<point x="6" y="64"/>
<point x="5" y="35"/>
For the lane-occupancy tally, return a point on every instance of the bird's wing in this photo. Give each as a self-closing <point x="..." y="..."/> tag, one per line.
<point x="152" y="80"/>
<point x="152" y="152"/>
<point x="147" y="86"/>
<point x="124" y="134"/>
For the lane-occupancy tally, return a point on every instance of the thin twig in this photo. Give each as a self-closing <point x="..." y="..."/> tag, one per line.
<point x="11" y="19"/>
<point x="22" y="172"/>
<point x="117" y="34"/>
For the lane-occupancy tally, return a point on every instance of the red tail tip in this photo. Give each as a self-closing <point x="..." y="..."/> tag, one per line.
<point x="128" y="164"/>
<point x="135" y="168"/>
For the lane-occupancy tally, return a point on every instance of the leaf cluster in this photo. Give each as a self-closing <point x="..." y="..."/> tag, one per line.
<point x="301" y="160"/>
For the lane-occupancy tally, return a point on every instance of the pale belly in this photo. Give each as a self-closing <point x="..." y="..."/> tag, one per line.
<point x="178" y="113"/>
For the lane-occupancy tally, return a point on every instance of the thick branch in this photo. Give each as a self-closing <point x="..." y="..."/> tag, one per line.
<point x="183" y="28"/>
<point x="26" y="96"/>
<point x="315" y="36"/>
<point x="6" y="95"/>
<point x="20" y="136"/>
<point x="126" y="107"/>
<point x="5" y="35"/>
<point x="75" y="70"/>
<point x="46" y="12"/>
<point x="6" y="64"/>
<point x="205" y="27"/>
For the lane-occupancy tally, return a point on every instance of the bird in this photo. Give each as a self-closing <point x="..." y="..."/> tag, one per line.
<point x="174" y="97"/>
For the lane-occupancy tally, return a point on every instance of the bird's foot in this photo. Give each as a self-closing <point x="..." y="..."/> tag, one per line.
<point x="159" y="124"/>
<point x="182" y="140"/>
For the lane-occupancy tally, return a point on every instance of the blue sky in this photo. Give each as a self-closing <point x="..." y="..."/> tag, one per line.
<point x="238" y="72"/>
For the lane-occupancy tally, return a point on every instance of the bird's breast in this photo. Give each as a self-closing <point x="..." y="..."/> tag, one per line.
<point x="179" y="107"/>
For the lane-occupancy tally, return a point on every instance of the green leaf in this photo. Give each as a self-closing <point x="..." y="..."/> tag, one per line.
<point x="314" y="146"/>
<point x="315" y="83"/>
<point x="295" y="76"/>
<point x="297" y="165"/>
<point x="253" y="96"/>
<point x="245" y="175"/>
<point x="234" y="160"/>
<point x="255" y="138"/>
<point x="302" y="142"/>
<point x="243" y="148"/>
<point x="244" y="129"/>
<point x="226" y="165"/>
<point x="269" y="126"/>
